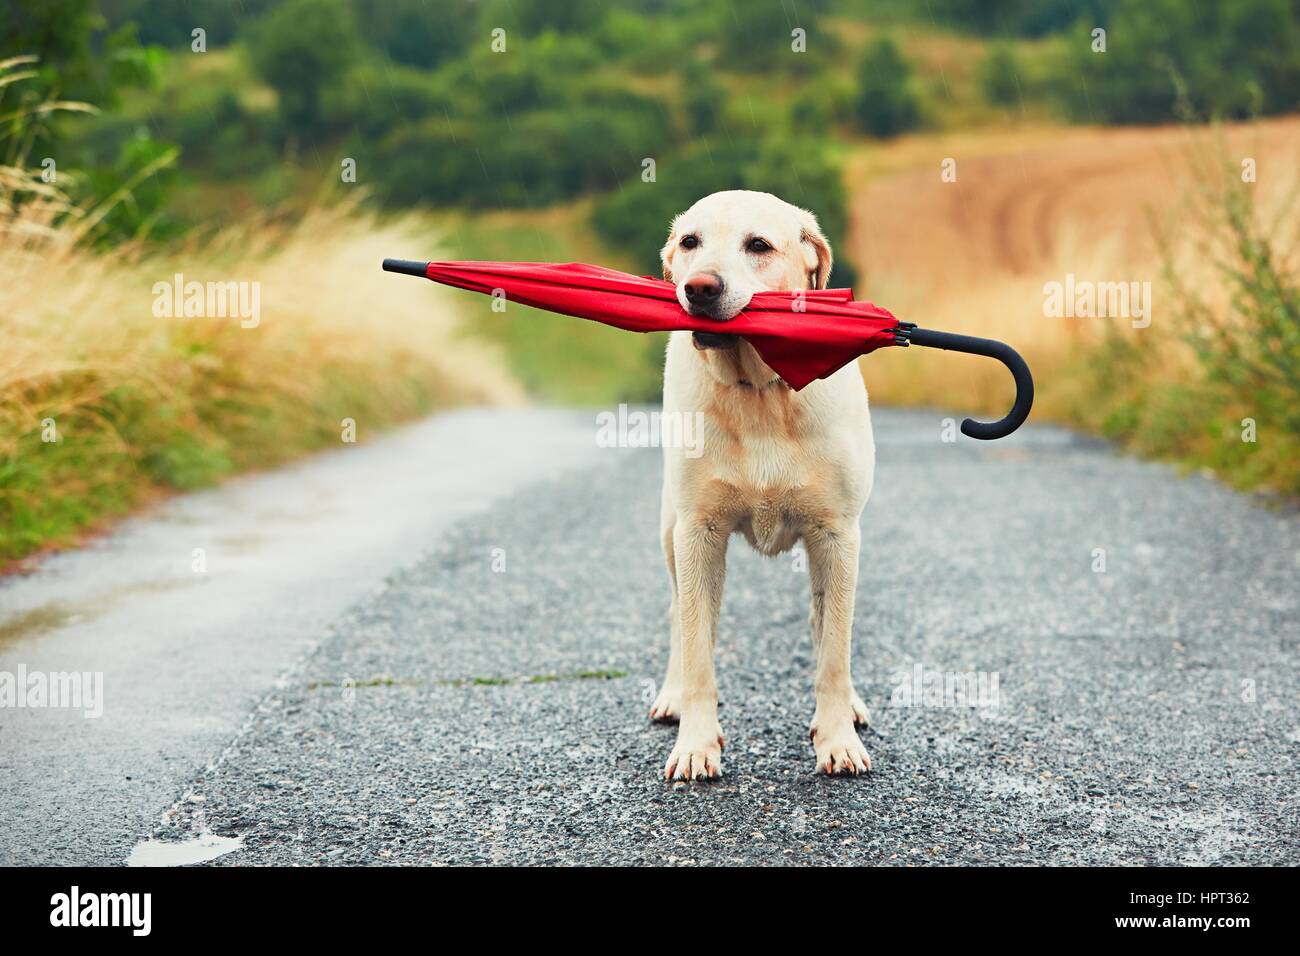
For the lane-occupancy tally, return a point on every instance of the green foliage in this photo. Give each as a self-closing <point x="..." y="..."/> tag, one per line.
<point x="533" y="17"/>
<point x="999" y="76"/>
<point x="124" y="190"/>
<point x="757" y="36"/>
<point x="529" y="128"/>
<point x="643" y="43"/>
<point x="812" y="112"/>
<point x="215" y="131"/>
<point x="78" y="58"/>
<point x="636" y="217"/>
<point x="1231" y="60"/>
<point x="1251" y="350"/>
<point x="139" y="185"/>
<point x="418" y="33"/>
<point x="379" y="97"/>
<point x="60" y="33"/>
<point x="1019" y="17"/>
<point x="302" y="48"/>
<point x="886" y="103"/>
<point x="168" y="23"/>
<point x="704" y="99"/>
<point x="534" y="158"/>
<point x="548" y="71"/>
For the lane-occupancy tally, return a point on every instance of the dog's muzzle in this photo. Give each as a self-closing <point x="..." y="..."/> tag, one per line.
<point x="714" y="340"/>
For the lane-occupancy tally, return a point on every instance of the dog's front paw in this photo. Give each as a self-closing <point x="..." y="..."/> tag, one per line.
<point x="667" y="707"/>
<point x="839" y="750"/>
<point x="696" y="756"/>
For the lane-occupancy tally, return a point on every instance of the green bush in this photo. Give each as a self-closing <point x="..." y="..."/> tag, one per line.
<point x="418" y="33"/>
<point x="758" y="36"/>
<point x="1018" y="17"/>
<point x="704" y="99"/>
<point x="642" y="43"/>
<point x="534" y="17"/>
<point x="169" y="24"/>
<point x="999" y="76"/>
<point x="531" y="159"/>
<point x="302" y="49"/>
<point x="812" y="112"/>
<point x="1230" y="60"/>
<point x="635" y="218"/>
<point x="886" y="101"/>
<point x="377" y="97"/>
<point x="144" y="169"/>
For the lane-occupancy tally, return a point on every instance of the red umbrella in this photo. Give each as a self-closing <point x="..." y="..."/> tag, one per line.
<point x="803" y="335"/>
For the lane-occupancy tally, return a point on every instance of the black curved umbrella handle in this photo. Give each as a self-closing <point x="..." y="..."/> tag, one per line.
<point x="986" y="431"/>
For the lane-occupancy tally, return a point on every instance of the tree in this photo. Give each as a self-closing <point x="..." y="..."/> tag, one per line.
<point x="886" y="102"/>
<point x="703" y="98"/>
<point x="1033" y="18"/>
<point x="80" y="58"/>
<point x="419" y="33"/>
<point x="1227" y="60"/>
<point x="999" y="76"/>
<point x="756" y="37"/>
<point x="301" y="49"/>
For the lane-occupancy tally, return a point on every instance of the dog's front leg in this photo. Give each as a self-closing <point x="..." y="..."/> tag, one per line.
<point x="833" y="567"/>
<point x="700" y="552"/>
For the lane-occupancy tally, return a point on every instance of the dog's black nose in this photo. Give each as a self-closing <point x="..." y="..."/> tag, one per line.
<point x="704" y="289"/>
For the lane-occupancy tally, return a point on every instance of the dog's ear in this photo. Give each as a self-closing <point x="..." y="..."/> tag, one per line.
<point x="666" y="253"/>
<point x="820" y="258"/>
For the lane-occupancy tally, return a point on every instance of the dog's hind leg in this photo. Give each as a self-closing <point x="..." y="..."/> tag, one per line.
<point x="833" y="570"/>
<point x="668" y="703"/>
<point x="700" y="554"/>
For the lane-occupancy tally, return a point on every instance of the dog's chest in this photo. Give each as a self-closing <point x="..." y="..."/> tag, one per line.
<point x="772" y="470"/>
<point x="772" y="498"/>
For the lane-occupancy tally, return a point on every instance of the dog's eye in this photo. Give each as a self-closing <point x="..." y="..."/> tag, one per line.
<point x="758" y="245"/>
<point x="690" y="242"/>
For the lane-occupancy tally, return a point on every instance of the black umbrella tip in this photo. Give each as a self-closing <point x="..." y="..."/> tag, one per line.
<point x="408" y="267"/>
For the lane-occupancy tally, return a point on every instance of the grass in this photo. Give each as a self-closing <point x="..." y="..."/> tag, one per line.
<point x="104" y="406"/>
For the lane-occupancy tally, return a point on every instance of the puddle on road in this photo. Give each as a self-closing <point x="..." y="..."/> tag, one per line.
<point x="56" y="614"/>
<point x="172" y="853"/>
<point x="38" y="620"/>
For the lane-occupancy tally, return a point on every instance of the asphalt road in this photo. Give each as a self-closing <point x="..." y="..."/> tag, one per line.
<point x="488" y="703"/>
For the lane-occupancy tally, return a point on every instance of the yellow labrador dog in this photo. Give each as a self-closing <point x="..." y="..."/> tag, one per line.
<point x="778" y="466"/>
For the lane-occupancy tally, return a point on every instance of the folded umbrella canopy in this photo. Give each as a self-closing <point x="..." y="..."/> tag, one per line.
<point x="803" y="335"/>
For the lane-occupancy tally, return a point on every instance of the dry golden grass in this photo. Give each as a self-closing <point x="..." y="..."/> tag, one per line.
<point x="1028" y="207"/>
<point x="142" y="403"/>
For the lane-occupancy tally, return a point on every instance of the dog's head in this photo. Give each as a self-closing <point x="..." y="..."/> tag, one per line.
<point x="732" y="244"/>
